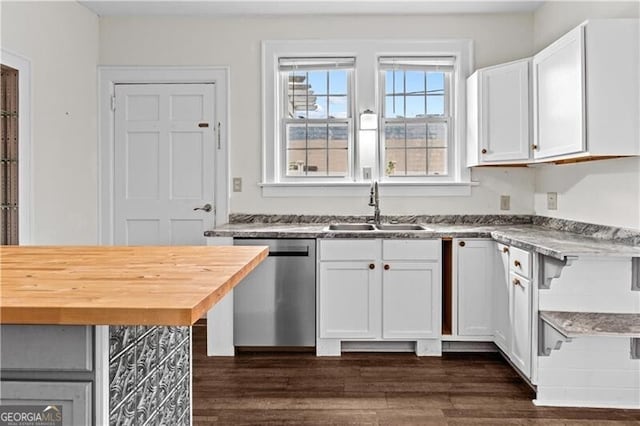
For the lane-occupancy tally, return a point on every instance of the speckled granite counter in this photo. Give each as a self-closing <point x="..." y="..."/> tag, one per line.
<point x="575" y="324"/>
<point x="544" y="237"/>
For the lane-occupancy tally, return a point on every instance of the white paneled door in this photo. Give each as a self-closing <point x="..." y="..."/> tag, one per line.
<point x="164" y="159"/>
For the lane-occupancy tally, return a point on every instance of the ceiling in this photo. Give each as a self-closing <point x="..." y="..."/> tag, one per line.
<point x="303" y="7"/>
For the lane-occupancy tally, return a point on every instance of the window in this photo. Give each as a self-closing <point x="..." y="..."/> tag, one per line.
<point x="9" y="156"/>
<point x="415" y="115"/>
<point x="314" y="92"/>
<point x="316" y="116"/>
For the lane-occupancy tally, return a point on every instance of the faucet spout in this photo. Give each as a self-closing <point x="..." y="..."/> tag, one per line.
<point x="374" y="201"/>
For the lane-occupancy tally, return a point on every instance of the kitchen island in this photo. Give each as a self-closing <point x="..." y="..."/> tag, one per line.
<point x="103" y="333"/>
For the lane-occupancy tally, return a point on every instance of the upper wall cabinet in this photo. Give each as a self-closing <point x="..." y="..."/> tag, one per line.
<point x="587" y="93"/>
<point x="498" y="114"/>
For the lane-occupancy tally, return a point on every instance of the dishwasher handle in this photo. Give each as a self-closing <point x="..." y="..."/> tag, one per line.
<point x="290" y="252"/>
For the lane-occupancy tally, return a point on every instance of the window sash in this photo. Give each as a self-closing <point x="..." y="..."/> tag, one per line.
<point x="304" y="64"/>
<point x="413" y="121"/>
<point x="426" y="64"/>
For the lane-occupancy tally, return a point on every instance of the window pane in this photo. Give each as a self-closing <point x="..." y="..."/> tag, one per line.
<point x="437" y="161"/>
<point x="394" y="135"/>
<point x="338" y="106"/>
<point x="435" y="105"/>
<point x="415" y="106"/>
<point x="297" y="91"/>
<point x="307" y="153"/>
<point x="296" y="136"/>
<point x="394" y="107"/>
<point x="394" y="162"/>
<point x="317" y="162"/>
<point x="338" y="82"/>
<point x="319" y="108"/>
<point x="417" y="162"/>
<point x="317" y="136"/>
<point x="338" y="162"/>
<point x="417" y="135"/>
<point x="296" y="160"/>
<point x="388" y="107"/>
<point x="339" y="136"/>
<point x="388" y="82"/>
<point x="318" y="82"/>
<point x="435" y="83"/>
<point x="415" y="82"/>
<point x="437" y="135"/>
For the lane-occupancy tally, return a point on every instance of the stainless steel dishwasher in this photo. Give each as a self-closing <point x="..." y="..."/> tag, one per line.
<point x="275" y="305"/>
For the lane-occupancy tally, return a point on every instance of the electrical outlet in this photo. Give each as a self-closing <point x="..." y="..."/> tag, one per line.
<point x="505" y="202"/>
<point x="552" y="200"/>
<point x="237" y="184"/>
<point x="366" y="173"/>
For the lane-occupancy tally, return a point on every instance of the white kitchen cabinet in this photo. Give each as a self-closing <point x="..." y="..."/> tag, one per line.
<point x="349" y="296"/>
<point x="379" y="290"/>
<point x="586" y="86"/>
<point x="501" y="293"/>
<point x="512" y="318"/>
<point x="498" y="114"/>
<point x="409" y="291"/>
<point x="520" y="309"/>
<point x="474" y="271"/>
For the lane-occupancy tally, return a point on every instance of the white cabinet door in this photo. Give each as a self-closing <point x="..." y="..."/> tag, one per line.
<point x="521" y="323"/>
<point x="349" y="299"/>
<point x="474" y="276"/>
<point x="504" y="112"/>
<point x="411" y="300"/>
<point x="501" y="290"/>
<point x="559" y="97"/>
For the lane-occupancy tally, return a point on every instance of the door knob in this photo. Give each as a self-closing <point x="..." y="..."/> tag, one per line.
<point x="386" y="267"/>
<point x="207" y="208"/>
<point x="462" y="244"/>
<point x="372" y="266"/>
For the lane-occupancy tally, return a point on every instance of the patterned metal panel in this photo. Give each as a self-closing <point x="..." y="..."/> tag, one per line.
<point x="149" y="375"/>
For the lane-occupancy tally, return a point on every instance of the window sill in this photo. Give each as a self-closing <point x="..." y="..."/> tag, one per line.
<point x="351" y="189"/>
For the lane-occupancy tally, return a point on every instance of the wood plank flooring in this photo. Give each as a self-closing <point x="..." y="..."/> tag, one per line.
<point x="371" y="389"/>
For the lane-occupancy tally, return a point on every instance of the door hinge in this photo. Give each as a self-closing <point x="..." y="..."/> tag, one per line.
<point x="113" y="103"/>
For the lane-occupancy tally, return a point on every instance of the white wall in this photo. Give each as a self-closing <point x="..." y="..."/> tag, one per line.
<point x="236" y="42"/>
<point x="61" y="41"/>
<point x="605" y="192"/>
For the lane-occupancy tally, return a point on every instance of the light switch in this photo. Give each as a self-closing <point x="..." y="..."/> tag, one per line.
<point x="505" y="202"/>
<point x="237" y="184"/>
<point x="552" y="200"/>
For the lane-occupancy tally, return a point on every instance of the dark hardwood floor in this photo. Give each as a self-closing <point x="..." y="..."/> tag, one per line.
<point x="371" y="389"/>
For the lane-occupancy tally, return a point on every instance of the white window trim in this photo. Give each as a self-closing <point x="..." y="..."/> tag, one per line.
<point x="366" y="96"/>
<point x="25" y="189"/>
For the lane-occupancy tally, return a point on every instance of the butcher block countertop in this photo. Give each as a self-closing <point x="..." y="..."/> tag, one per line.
<point x="100" y="285"/>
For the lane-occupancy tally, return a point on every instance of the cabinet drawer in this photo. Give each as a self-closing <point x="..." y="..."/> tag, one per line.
<point x="520" y="261"/>
<point x="411" y="249"/>
<point x="349" y="249"/>
<point x="75" y="398"/>
<point x="47" y="347"/>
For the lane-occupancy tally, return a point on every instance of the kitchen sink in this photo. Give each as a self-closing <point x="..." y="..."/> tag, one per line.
<point x="380" y="227"/>
<point x="400" y="227"/>
<point x="351" y="227"/>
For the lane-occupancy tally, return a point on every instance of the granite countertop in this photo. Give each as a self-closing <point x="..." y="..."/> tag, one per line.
<point x="541" y="239"/>
<point x="575" y="324"/>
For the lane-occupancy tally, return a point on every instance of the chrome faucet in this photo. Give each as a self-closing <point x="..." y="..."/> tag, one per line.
<point x="374" y="201"/>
